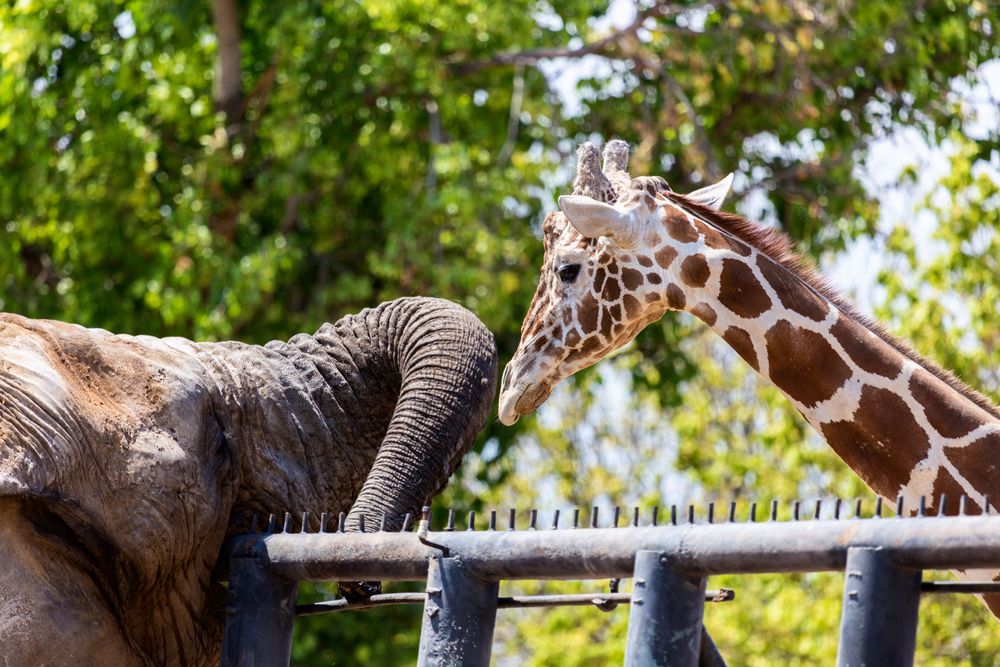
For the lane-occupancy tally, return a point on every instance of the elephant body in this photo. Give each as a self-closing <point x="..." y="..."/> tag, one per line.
<point x="126" y="462"/>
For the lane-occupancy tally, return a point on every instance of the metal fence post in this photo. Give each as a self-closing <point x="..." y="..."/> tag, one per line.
<point x="260" y="610"/>
<point x="878" y="626"/>
<point x="459" y="617"/>
<point x="664" y="623"/>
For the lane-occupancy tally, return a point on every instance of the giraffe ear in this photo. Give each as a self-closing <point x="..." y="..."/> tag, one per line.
<point x="593" y="218"/>
<point x="713" y="195"/>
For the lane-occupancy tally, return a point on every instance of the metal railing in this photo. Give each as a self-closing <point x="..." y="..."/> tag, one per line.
<point x="882" y="558"/>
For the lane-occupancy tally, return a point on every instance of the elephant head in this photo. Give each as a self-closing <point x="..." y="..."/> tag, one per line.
<point x="126" y="462"/>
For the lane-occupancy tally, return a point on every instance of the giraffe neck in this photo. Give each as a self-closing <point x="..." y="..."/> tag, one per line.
<point x="899" y="426"/>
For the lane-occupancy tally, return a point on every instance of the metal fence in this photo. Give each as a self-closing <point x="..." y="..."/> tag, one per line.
<point x="882" y="559"/>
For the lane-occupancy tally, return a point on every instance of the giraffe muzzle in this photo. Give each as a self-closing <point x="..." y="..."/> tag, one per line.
<point x="521" y="400"/>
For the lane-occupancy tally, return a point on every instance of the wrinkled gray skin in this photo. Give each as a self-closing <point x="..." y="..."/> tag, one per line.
<point x="125" y="462"/>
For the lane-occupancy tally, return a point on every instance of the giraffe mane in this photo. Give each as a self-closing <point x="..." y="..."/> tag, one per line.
<point x="778" y="247"/>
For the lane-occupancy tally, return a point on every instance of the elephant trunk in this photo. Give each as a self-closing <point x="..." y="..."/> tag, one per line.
<point x="446" y="360"/>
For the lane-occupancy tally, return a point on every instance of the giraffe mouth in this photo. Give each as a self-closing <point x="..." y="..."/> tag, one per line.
<point x="523" y="400"/>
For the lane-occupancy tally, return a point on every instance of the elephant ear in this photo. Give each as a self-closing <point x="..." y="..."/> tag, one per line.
<point x="712" y="195"/>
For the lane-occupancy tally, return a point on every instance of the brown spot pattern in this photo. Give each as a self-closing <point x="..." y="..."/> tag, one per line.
<point x="587" y="314"/>
<point x="740" y="341"/>
<point x="616" y="311"/>
<point x="644" y="261"/>
<point x="945" y="483"/>
<point x="694" y="270"/>
<point x="675" y="297"/>
<point x="792" y="292"/>
<point x="652" y="297"/>
<point x="654" y="278"/>
<point x="980" y="464"/>
<point x="665" y="256"/>
<point x="883" y="443"/>
<point x="706" y="313"/>
<point x="612" y="290"/>
<point x="803" y="364"/>
<point x="631" y="278"/>
<point x="868" y="352"/>
<point x="949" y="416"/>
<point x="632" y="307"/>
<point x="599" y="276"/>
<point x="679" y="227"/>
<point x="739" y="290"/>
<point x="606" y="322"/>
<point x="572" y="338"/>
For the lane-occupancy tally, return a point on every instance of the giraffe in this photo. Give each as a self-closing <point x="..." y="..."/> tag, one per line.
<point x="623" y="251"/>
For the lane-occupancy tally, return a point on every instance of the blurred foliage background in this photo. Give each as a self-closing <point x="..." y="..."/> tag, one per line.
<point x="249" y="169"/>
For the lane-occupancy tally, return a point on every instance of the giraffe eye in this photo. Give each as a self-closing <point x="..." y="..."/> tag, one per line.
<point x="568" y="272"/>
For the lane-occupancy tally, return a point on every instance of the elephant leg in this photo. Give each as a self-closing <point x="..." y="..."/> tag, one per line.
<point x="51" y="611"/>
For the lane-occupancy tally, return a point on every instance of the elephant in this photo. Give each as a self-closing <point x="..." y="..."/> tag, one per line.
<point x="126" y="462"/>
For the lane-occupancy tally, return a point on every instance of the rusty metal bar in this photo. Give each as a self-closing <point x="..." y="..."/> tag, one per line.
<point x="878" y="625"/>
<point x="585" y="553"/>
<point x="664" y="622"/>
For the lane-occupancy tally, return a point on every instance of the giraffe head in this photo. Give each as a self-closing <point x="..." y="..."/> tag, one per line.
<point x="602" y="278"/>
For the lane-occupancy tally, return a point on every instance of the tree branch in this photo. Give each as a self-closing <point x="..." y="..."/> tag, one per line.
<point x="228" y="92"/>
<point x="533" y="56"/>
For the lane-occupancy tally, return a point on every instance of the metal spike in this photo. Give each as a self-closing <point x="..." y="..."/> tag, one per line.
<point x="836" y="508"/>
<point x="774" y="510"/>
<point x="305" y="522"/>
<point x="878" y="507"/>
<point x="593" y="517"/>
<point x="986" y="504"/>
<point x="656" y="514"/>
<point x="819" y="508"/>
<point x="451" y="521"/>
<point x="576" y="517"/>
<point x="407" y="522"/>
<point x="511" y="517"/>
<point x="962" y="500"/>
<point x="711" y="512"/>
<point x="472" y="521"/>
<point x="732" y="512"/>
<point x="795" y="510"/>
<point x="691" y="513"/>
<point x="614" y="517"/>
<point x="532" y="519"/>
<point x="635" y="517"/>
<point x="753" y="512"/>
<point x="942" y="504"/>
<point x="383" y="522"/>
<point x="555" y="520"/>
<point x="857" y="509"/>
<point x="341" y="521"/>
<point x="922" y="510"/>
<point x="361" y="523"/>
<point x="493" y="520"/>
<point x="899" y="507"/>
<point x="673" y="515"/>
<point x="287" y="527"/>
<point x="425" y="515"/>
<point x="271" y="522"/>
<point x="323" y="518"/>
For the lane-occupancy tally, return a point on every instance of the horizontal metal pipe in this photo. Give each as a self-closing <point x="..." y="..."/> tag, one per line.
<point x="734" y="548"/>
<point x="960" y="587"/>
<point x="599" y="600"/>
